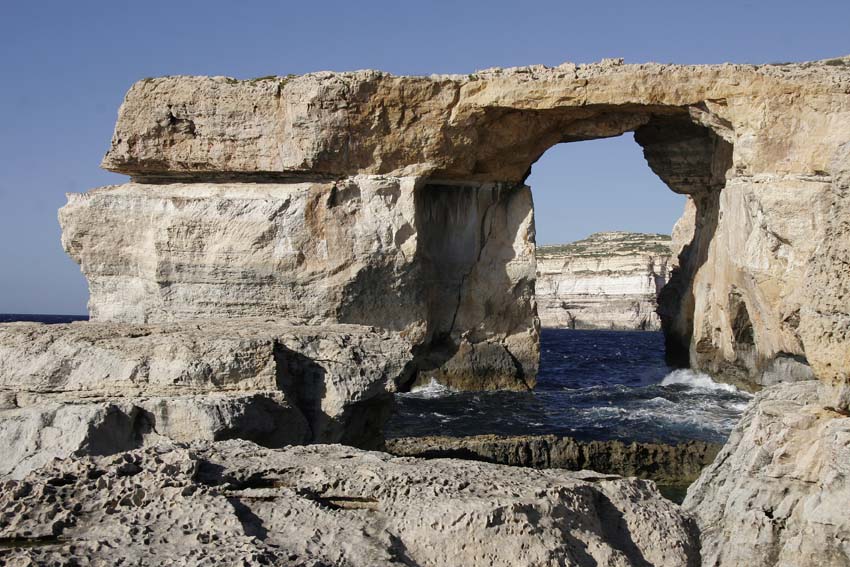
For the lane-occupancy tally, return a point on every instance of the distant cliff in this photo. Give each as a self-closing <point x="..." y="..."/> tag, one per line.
<point x="609" y="280"/>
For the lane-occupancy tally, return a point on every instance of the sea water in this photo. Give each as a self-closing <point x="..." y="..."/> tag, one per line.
<point x="591" y="385"/>
<point x="49" y="319"/>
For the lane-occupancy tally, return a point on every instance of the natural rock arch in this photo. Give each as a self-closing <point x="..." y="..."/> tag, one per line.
<point x="690" y="158"/>
<point x="398" y="201"/>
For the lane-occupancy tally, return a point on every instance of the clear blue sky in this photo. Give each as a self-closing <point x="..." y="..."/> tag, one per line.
<point x="65" y="66"/>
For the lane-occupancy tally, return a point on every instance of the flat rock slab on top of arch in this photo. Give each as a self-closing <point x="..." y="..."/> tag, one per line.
<point x="486" y="126"/>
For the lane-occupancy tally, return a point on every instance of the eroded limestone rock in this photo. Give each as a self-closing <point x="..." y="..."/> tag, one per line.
<point x="233" y="502"/>
<point x="760" y="150"/>
<point x="100" y="388"/>
<point x="778" y="492"/>
<point x="34" y="435"/>
<point x="487" y="126"/>
<point x="432" y="262"/>
<point x="825" y="319"/>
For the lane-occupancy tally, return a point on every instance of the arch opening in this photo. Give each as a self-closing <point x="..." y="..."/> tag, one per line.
<point x="477" y="238"/>
<point x="602" y="229"/>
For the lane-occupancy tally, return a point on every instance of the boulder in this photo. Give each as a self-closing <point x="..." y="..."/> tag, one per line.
<point x="778" y="493"/>
<point x="100" y="388"/>
<point x="233" y="502"/>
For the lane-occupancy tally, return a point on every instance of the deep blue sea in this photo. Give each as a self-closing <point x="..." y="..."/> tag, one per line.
<point x="50" y="319"/>
<point x="591" y="385"/>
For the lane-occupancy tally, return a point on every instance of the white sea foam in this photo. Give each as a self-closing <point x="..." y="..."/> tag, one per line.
<point x="699" y="416"/>
<point x="432" y="389"/>
<point x="691" y="379"/>
<point x="737" y="406"/>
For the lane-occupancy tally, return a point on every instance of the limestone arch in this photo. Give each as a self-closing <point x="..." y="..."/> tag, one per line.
<point x="778" y="242"/>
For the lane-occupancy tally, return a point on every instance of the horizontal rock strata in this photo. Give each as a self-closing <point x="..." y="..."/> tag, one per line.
<point x="233" y="502"/>
<point x="669" y="464"/>
<point x="778" y="492"/>
<point x="610" y="280"/>
<point x="398" y="203"/>
<point x="100" y="388"/>
<point x="430" y="262"/>
<point x="449" y="124"/>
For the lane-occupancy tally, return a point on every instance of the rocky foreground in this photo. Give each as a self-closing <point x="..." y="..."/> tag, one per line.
<point x="778" y="494"/>
<point x="235" y="503"/>
<point x="609" y="280"/>
<point x="100" y="388"/>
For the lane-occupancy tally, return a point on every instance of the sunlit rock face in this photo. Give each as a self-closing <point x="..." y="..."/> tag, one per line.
<point x="609" y="280"/>
<point x="761" y="151"/>
<point x="398" y="203"/>
<point x="93" y="388"/>
<point x="777" y="493"/>
<point x="432" y="262"/>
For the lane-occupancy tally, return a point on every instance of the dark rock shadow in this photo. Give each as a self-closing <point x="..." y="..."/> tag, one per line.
<point x="464" y="244"/>
<point x="399" y="552"/>
<point x="692" y="160"/>
<point x="251" y="523"/>
<point x="302" y="379"/>
<point x="616" y="532"/>
<point x="119" y="431"/>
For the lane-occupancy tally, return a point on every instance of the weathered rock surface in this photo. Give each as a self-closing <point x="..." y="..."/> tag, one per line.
<point x="233" y="502"/>
<point x="100" y="388"/>
<point x="482" y="126"/>
<point x="609" y="280"/>
<point x="762" y="152"/>
<point x="669" y="464"/>
<point x="825" y="319"/>
<point x="398" y="202"/>
<point x="779" y="491"/>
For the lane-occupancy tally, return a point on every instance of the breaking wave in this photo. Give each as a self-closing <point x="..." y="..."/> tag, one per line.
<point x="432" y="389"/>
<point x="592" y="385"/>
<point x="692" y="379"/>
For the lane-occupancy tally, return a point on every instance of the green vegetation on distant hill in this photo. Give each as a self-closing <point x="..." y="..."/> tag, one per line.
<point x="602" y="244"/>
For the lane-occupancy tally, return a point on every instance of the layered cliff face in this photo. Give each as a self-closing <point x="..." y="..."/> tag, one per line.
<point x="430" y="261"/>
<point x="760" y="150"/>
<point x="398" y="203"/>
<point x="609" y="280"/>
